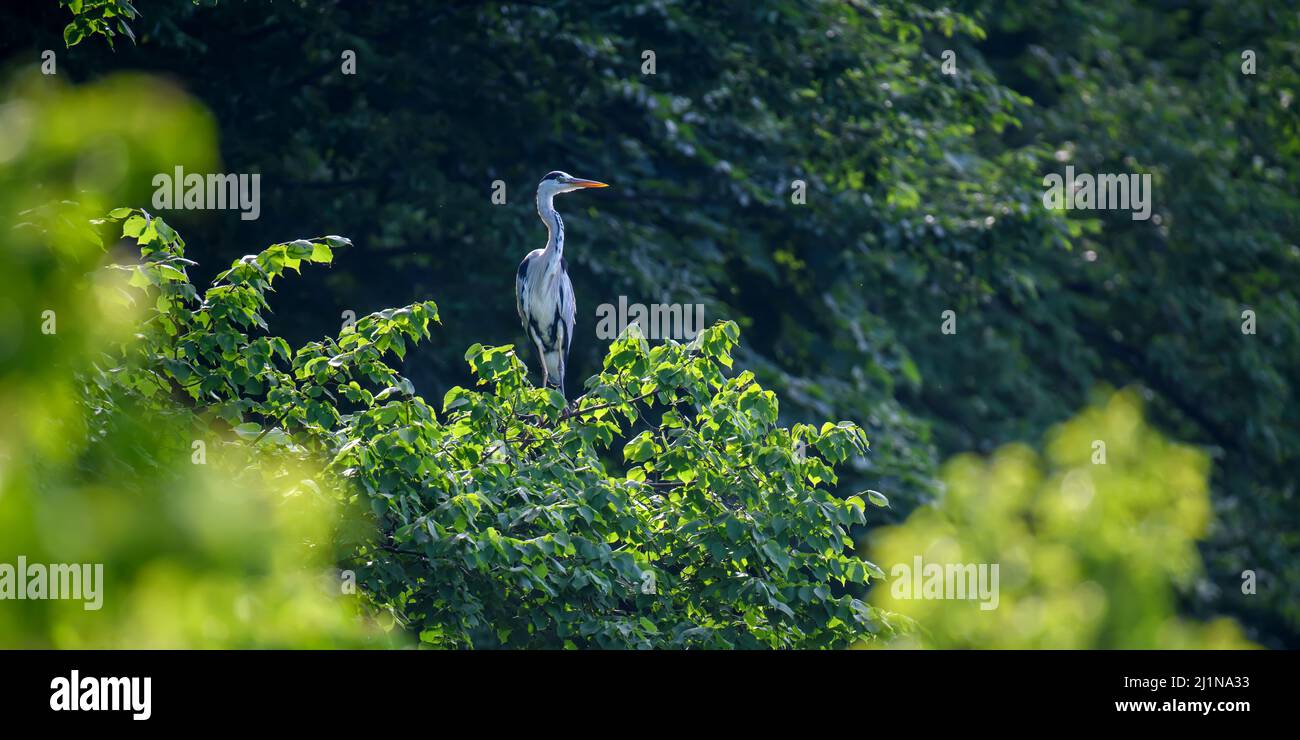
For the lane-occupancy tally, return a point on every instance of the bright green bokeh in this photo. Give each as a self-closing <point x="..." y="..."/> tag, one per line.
<point x="1090" y="554"/>
<point x="194" y="555"/>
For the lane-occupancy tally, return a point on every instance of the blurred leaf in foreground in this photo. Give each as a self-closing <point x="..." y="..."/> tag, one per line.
<point x="1091" y="540"/>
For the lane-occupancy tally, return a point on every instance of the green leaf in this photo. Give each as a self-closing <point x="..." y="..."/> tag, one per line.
<point x="640" y="448"/>
<point x="248" y="430"/>
<point x="555" y="398"/>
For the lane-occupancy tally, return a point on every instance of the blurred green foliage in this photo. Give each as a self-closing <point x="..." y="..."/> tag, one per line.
<point x="1089" y="549"/>
<point x="200" y="547"/>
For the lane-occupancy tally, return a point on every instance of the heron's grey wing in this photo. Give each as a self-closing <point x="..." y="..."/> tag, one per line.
<point x="521" y="289"/>
<point x="568" y="310"/>
<point x="566" y="316"/>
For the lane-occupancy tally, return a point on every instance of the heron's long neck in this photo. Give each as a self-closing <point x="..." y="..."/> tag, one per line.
<point x="554" y="227"/>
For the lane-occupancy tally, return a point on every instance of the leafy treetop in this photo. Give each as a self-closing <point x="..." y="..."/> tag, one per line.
<point x="509" y="518"/>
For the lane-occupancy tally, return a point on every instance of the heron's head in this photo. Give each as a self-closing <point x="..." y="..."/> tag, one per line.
<point x="562" y="182"/>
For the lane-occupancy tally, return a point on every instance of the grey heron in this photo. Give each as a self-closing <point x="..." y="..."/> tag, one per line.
<point x="543" y="292"/>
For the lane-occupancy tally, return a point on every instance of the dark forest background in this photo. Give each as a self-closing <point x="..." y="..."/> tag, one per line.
<point x="924" y="195"/>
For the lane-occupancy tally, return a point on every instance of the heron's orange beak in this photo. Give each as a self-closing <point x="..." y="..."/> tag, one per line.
<point x="587" y="183"/>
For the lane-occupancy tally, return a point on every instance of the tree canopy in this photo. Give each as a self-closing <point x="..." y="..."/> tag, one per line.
<point x="924" y="194"/>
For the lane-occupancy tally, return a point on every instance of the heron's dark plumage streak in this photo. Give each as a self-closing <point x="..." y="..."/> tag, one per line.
<point x="543" y="291"/>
